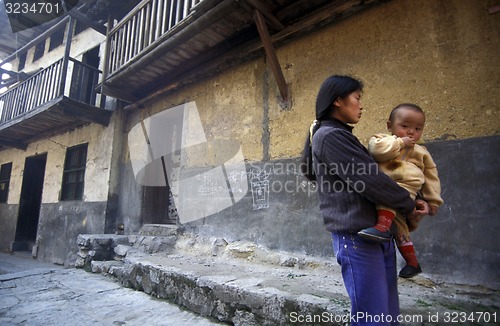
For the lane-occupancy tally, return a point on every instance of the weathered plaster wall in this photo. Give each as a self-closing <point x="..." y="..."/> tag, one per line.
<point x="441" y="55"/>
<point x="61" y="222"/>
<point x="98" y="163"/>
<point x="80" y="44"/>
<point x="230" y="107"/>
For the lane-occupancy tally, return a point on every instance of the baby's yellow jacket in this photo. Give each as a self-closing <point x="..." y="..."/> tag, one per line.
<point x="412" y="168"/>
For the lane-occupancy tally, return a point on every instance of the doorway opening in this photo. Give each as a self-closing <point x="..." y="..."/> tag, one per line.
<point x="158" y="206"/>
<point x="30" y="203"/>
<point x="85" y="78"/>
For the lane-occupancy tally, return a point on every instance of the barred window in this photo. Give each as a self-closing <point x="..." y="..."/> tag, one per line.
<point x="74" y="173"/>
<point x="5" y="171"/>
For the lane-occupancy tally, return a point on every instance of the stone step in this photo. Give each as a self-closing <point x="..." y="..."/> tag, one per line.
<point x="245" y="284"/>
<point x="246" y="292"/>
<point x="113" y="247"/>
<point x="165" y="230"/>
<point x="235" y="292"/>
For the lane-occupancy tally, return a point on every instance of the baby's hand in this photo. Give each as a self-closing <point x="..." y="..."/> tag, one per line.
<point x="409" y="142"/>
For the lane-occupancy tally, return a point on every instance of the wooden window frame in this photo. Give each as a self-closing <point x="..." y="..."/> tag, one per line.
<point x="5" y="174"/>
<point x="73" y="182"/>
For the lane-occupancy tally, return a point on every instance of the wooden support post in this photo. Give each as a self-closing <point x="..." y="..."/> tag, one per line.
<point x="105" y="69"/>
<point x="271" y="19"/>
<point x="65" y="62"/>
<point x="271" y="55"/>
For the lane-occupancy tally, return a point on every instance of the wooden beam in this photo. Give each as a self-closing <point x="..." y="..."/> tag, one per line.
<point x="272" y="59"/>
<point x="8" y="72"/>
<point x="85" y="112"/>
<point x="265" y="10"/>
<point x="12" y="144"/>
<point x="82" y="18"/>
<point x="7" y="49"/>
<point x="118" y="93"/>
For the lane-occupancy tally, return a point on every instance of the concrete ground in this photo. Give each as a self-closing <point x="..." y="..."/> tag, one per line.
<point x="242" y="284"/>
<point x="37" y="293"/>
<point x="232" y="283"/>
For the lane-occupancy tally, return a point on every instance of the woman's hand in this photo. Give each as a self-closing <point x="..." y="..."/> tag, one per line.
<point x="421" y="209"/>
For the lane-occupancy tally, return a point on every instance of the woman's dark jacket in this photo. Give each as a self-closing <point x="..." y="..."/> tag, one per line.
<point x="349" y="182"/>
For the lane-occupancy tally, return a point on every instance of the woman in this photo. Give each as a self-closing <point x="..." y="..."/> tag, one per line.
<point x="349" y="187"/>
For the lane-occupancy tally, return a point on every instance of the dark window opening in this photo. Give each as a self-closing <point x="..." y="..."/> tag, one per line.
<point x="74" y="173"/>
<point x="39" y="50"/>
<point x="79" y="27"/>
<point x="22" y="61"/>
<point x="5" y="171"/>
<point x="85" y="78"/>
<point x="56" y="39"/>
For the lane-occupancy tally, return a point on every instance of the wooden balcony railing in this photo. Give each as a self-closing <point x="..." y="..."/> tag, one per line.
<point x="142" y="27"/>
<point x="50" y="84"/>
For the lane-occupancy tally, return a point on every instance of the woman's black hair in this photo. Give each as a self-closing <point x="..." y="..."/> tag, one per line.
<point x="333" y="88"/>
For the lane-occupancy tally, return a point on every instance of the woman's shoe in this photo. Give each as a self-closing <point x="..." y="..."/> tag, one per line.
<point x="375" y="235"/>
<point x="409" y="271"/>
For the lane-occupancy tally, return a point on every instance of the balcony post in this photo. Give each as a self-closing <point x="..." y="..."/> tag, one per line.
<point x="65" y="62"/>
<point x="107" y="56"/>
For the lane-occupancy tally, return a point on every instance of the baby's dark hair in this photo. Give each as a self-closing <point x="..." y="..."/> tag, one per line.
<point x="410" y="106"/>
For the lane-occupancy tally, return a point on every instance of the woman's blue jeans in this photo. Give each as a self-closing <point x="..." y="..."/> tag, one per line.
<point x="369" y="271"/>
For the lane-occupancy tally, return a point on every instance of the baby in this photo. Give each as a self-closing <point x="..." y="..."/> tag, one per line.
<point x="412" y="167"/>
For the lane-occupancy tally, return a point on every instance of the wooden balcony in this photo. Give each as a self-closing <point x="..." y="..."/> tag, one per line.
<point x="163" y="45"/>
<point x="54" y="100"/>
